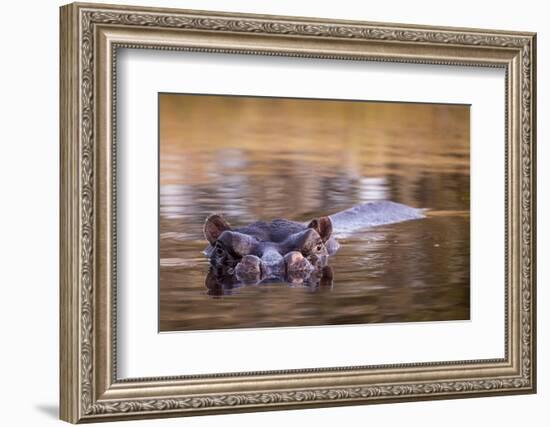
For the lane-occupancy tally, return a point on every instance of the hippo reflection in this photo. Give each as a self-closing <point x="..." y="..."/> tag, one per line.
<point x="287" y="250"/>
<point x="219" y="284"/>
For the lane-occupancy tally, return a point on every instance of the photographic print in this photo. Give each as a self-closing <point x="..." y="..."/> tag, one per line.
<point x="223" y="183"/>
<point x="281" y="212"/>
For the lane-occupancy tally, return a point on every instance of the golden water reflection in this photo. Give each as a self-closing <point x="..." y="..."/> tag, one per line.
<point x="263" y="158"/>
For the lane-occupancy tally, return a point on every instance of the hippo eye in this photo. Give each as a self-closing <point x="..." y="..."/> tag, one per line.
<point x="219" y="251"/>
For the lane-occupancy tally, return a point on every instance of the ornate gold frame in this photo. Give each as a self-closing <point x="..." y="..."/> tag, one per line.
<point x="90" y="36"/>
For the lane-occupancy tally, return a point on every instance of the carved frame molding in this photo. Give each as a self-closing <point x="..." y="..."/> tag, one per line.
<point x="90" y="37"/>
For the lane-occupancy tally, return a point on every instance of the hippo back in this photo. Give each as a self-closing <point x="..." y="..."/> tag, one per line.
<point x="370" y="215"/>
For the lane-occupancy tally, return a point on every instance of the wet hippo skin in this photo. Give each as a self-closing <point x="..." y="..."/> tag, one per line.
<point x="284" y="250"/>
<point x="262" y="250"/>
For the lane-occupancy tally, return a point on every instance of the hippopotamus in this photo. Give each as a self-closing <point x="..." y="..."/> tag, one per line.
<point x="290" y="251"/>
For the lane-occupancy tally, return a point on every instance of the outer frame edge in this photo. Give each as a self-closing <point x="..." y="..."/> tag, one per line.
<point x="68" y="225"/>
<point x="69" y="233"/>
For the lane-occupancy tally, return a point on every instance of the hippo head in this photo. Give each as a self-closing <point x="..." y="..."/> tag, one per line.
<point x="281" y="249"/>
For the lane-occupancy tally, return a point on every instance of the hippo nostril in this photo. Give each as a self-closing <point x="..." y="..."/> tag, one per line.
<point x="248" y="265"/>
<point x="293" y="257"/>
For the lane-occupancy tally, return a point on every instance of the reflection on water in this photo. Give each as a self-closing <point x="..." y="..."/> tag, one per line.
<point x="262" y="158"/>
<point x="225" y="284"/>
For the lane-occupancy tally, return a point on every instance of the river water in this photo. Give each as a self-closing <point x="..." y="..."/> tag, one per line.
<point x="265" y="158"/>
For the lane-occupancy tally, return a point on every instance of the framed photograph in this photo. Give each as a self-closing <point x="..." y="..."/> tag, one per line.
<point x="266" y="212"/>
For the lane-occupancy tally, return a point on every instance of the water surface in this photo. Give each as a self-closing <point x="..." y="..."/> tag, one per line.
<point x="264" y="158"/>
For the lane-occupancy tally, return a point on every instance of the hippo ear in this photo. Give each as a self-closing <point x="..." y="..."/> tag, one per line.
<point x="214" y="226"/>
<point x="323" y="226"/>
